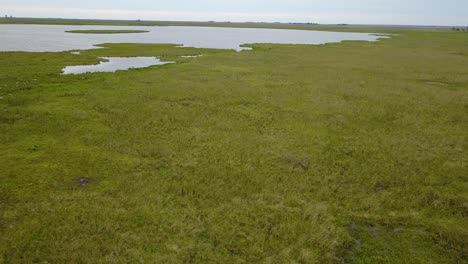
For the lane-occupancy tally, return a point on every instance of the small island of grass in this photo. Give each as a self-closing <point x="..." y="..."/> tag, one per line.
<point x="107" y="31"/>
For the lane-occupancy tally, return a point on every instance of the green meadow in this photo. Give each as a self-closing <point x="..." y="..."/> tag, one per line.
<point x="354" y="152"/>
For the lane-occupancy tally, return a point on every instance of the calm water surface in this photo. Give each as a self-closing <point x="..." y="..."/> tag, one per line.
<point x="41" y="38"/>
<point x="113" y="64"/>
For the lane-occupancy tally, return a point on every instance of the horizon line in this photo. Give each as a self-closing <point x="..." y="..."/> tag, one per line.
<point x="310" y="23"/>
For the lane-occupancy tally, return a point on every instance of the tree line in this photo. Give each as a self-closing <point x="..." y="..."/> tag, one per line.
<point x="463" y="29"/>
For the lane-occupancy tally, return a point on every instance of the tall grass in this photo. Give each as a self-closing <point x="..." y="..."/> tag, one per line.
<point x="340" y="153"/>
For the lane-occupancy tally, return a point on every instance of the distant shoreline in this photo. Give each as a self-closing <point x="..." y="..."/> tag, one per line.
<point x="106" y="31"/>
<point x="300" y="26"/>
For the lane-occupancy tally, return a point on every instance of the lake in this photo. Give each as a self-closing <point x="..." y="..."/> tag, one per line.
<point x="53" y="38"/>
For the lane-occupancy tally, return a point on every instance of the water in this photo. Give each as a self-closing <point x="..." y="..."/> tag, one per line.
<point x="113" y="64"/>
<point x="42" y="38"/>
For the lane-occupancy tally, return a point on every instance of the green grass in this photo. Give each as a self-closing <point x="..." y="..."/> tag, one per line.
<point x="106" y="31"/>
<point x="339" y="153"/>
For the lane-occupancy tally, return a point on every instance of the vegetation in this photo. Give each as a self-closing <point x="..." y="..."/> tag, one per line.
<point x="460" y="29"/>
<point x="343" y="153"/>
<point x="107" y="31"/>
<point x="303" y="26"/>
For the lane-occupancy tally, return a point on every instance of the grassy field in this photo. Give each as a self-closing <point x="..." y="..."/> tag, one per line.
<point x="343" y="153"/>
<point x="91" y="31"/>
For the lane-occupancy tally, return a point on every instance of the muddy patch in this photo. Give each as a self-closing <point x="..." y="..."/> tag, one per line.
<point x="185" y="101"/>
<point x="83" y="181"/>
<point x="297" y="163"/>
<point x="357" y="244"/>
<point x="437" y="83"/>
<point x="379" y="187"/>
<point x="374" y="230"/>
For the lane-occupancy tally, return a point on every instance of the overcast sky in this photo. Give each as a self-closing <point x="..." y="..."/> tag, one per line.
<point x="409" y="12"/>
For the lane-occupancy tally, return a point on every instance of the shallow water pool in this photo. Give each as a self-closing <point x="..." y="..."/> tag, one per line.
<point x="113" y="64"/>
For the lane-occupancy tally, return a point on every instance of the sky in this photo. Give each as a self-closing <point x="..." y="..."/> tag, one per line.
<point x="393" y="12"/>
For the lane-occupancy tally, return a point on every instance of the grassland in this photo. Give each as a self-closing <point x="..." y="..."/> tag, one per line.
<point x="343" y="153"/>
<point x="92" y="31"/>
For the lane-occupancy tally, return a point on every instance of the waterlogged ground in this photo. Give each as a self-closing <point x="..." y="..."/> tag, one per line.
<point x="113" y="64"/>
<point x="339" y="153"/>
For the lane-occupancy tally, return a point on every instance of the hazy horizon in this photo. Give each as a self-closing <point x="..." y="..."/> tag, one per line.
<point x="377" y="12"/>
<point x="259" y="22"/>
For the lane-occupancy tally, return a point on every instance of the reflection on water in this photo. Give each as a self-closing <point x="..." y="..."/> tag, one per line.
<point x="40" y="38"/>
<point x="113" y="64"/>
